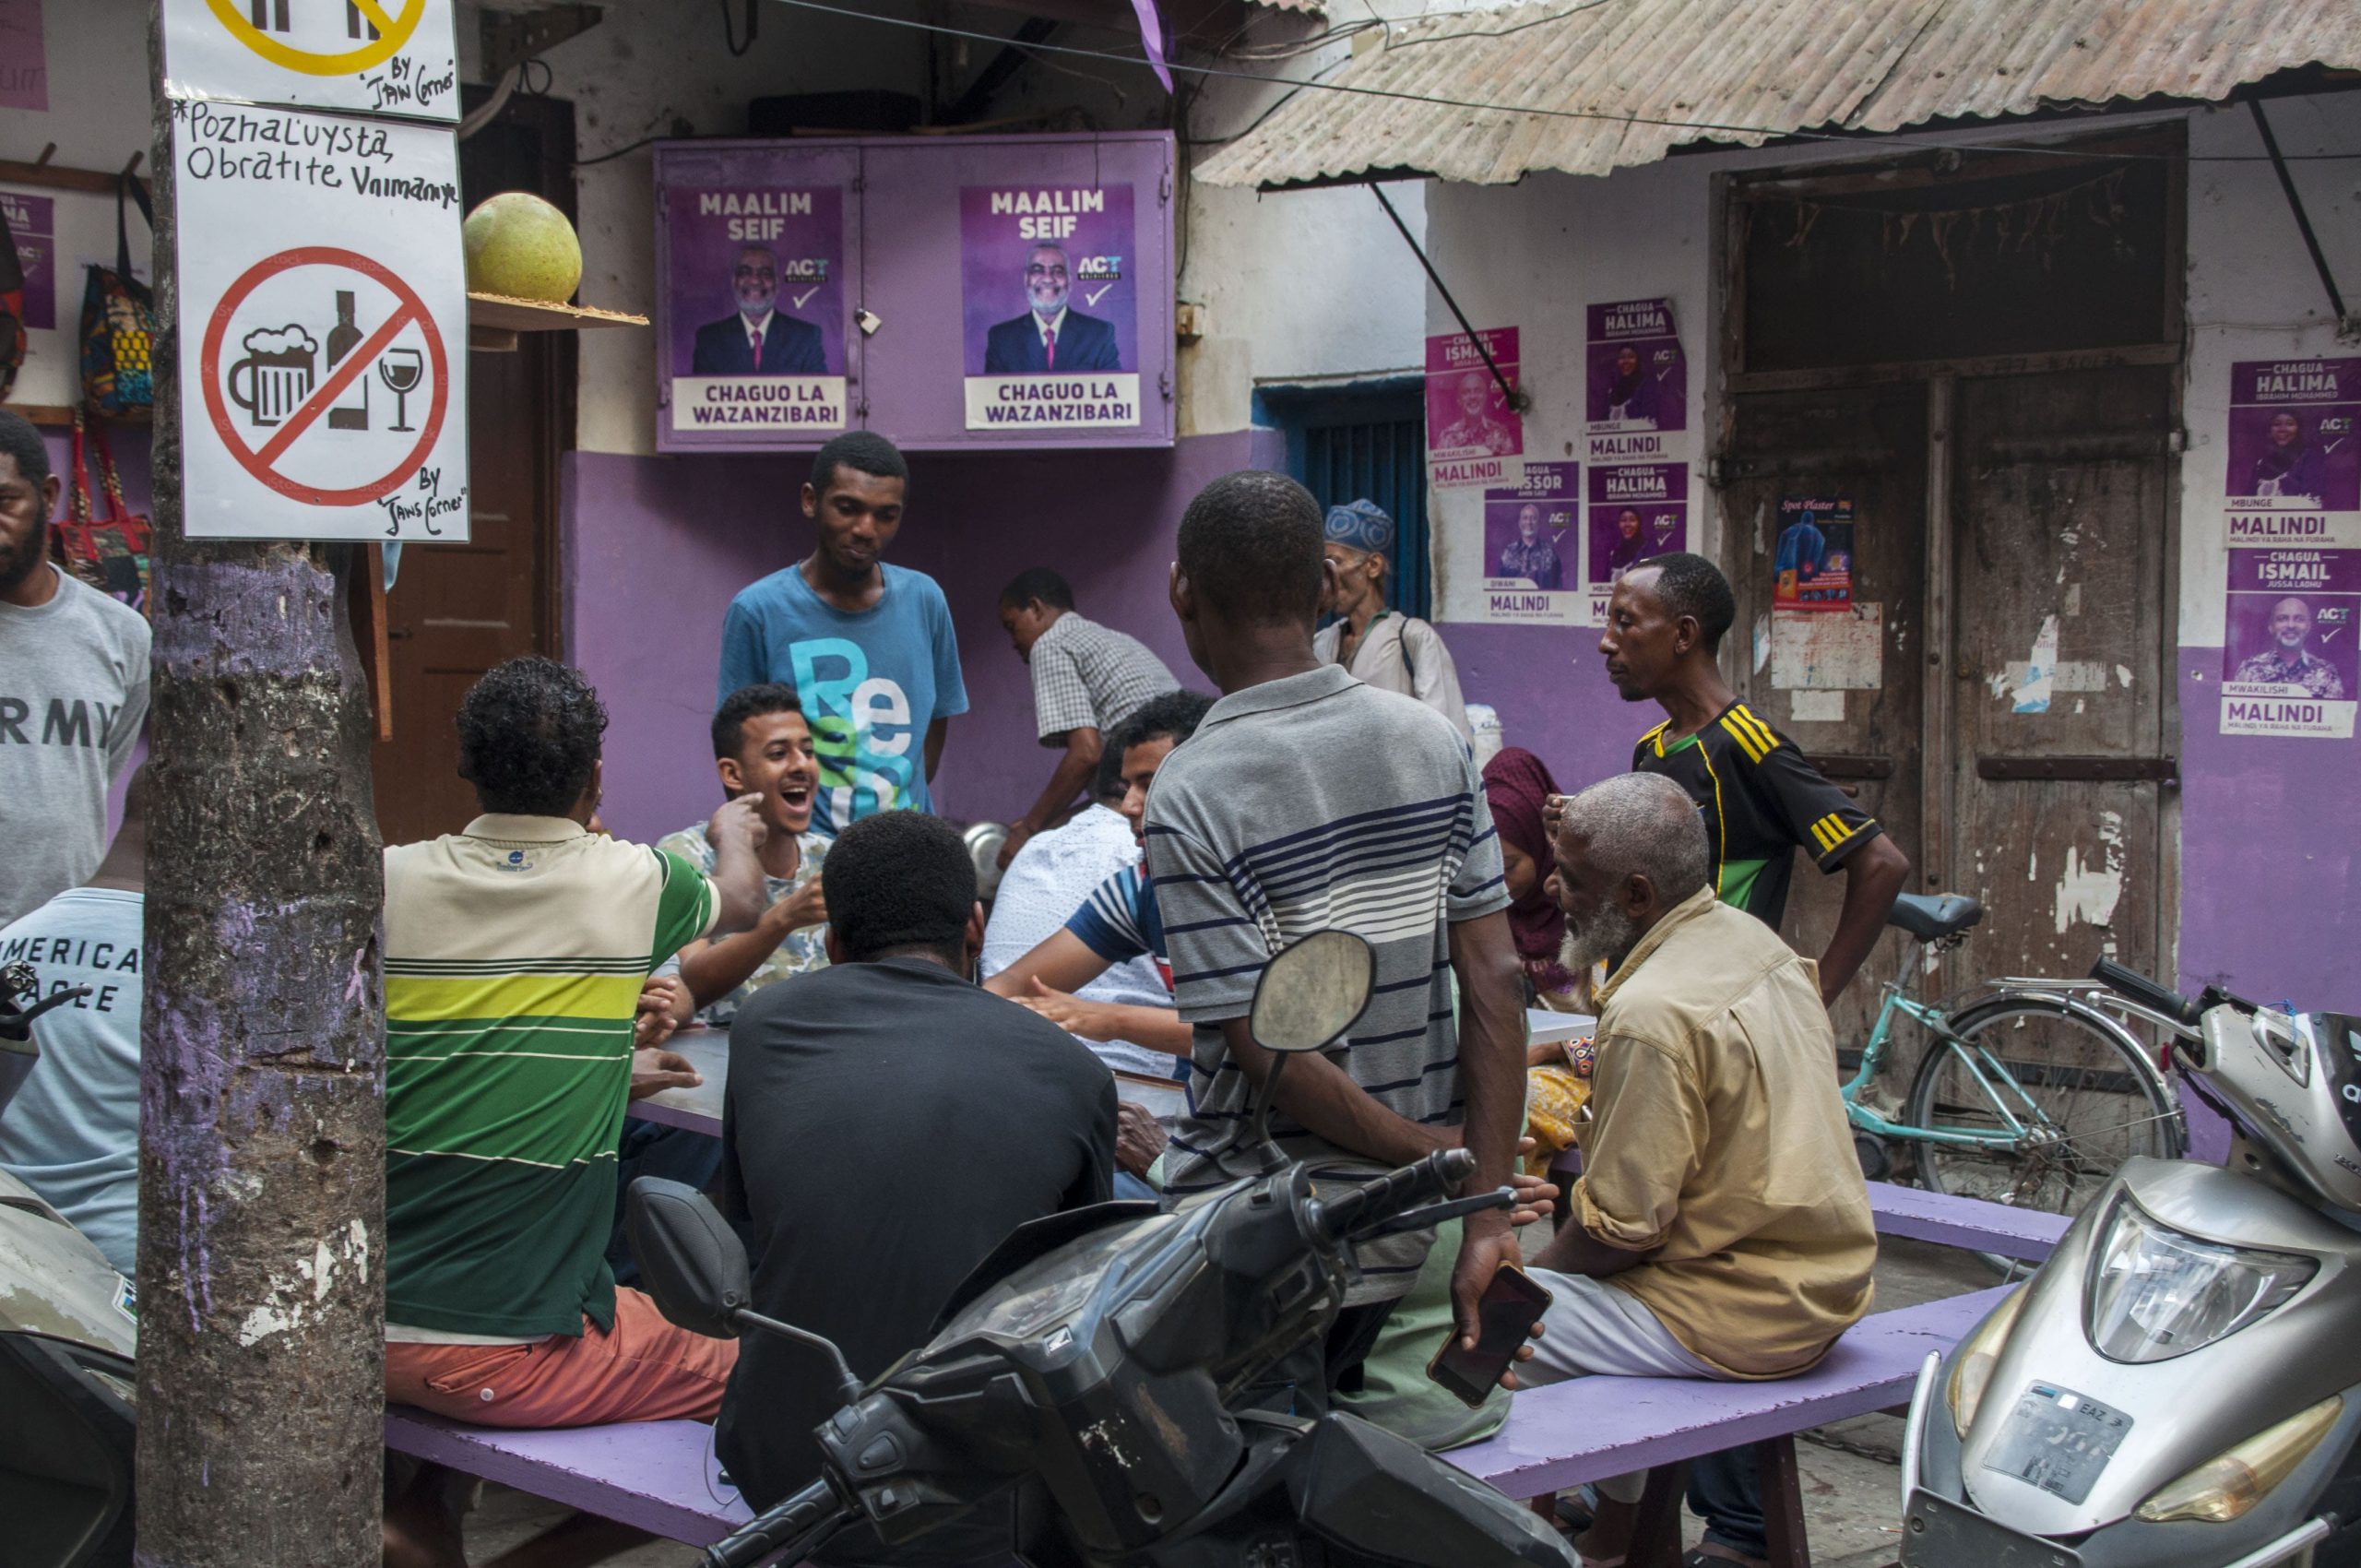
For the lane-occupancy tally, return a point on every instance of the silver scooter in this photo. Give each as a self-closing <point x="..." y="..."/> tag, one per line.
<point x="2179" y="1385"/>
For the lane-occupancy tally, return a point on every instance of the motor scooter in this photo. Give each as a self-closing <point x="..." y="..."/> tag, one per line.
<point x="2179" y="1384"/>
<point x="67" y="1387"/>
<point x="1097" y="1368"/>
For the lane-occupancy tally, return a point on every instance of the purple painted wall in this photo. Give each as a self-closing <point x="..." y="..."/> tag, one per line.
<point x="657" y="545"/>
<point x="2280" y="923"/>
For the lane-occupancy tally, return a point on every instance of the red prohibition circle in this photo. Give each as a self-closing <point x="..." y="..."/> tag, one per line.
<point x="252" y="459"/>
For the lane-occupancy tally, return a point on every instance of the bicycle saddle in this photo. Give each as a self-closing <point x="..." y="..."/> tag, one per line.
<point x="1927" y="916"/>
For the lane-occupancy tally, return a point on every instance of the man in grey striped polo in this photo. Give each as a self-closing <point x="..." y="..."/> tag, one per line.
<point x="1087" y="679"/>
<point x="1307" y="800"/>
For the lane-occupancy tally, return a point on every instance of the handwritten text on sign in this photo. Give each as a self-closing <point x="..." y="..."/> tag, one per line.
<point x="323" y="382"/>
<point x="364" y="56"/>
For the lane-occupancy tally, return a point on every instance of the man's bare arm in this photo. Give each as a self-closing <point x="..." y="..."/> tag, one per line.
<point x="1076" y="765"/>
<point x="1576" y="1251"/>
<point x="1492" y="1076"/>
<point x="1061" y="961"/>
<point x="1873" y="874"/>
<point x="936" y="733"/>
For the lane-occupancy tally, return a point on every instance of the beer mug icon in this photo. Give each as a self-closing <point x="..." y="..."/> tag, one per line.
<point x="277" y="370"/>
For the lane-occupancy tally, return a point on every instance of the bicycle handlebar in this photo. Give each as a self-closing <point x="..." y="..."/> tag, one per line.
<point x="2146" y="991"/>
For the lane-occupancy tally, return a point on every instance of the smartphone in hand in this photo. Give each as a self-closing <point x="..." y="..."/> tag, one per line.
<point x="1512" y="1304"/>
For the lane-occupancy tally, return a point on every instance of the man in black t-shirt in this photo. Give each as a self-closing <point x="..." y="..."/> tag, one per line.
<point x="1761" y="797"/>
<point x="887" y="1124"/>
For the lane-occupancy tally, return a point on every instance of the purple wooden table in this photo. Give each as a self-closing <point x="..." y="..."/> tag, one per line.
<point x="659" y="1476"/>
<point x="1595" y="1427"/>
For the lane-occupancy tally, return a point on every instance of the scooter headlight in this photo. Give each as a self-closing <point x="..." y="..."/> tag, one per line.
<point x="2157" y="1293"/>
<point x="2226" y="1487"/>
<point x="1972" y="1369"/>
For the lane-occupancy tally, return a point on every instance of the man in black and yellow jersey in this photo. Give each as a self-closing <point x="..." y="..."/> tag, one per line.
<point x="1759" y="796"/>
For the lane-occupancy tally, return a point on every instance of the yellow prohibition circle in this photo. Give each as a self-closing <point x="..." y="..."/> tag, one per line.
<point x="392" y="33"/>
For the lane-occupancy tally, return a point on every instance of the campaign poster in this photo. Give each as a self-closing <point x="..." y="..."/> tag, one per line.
<point x="1812" y="566"/>
<point x="1637" y="380"/>
<point x="24" y="68"/>
<point x="1533" y="548"/>
<point x="1636" y="510"/>
<point x="2289" y="663"/>
<point x="2295" y="459"/>
<point x="1049" y="286"/>
<point x="33" y="223"/>
<point x="757" y="309"/>
<point x="1474" y="436"/>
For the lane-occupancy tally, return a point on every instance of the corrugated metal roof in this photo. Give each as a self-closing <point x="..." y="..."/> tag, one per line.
<point x="1649" y="76"/>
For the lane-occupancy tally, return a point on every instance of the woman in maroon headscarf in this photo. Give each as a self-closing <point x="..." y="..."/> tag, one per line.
<point x="1516" y="784"/>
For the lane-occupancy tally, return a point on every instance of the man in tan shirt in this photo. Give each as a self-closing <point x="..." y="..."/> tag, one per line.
<point x="1721" y="1228"/>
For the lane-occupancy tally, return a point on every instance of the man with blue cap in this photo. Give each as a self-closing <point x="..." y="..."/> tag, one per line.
<point x="1393" y="652"/>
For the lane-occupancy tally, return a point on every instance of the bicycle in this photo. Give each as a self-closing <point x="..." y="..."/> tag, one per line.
<point x="2032" y="1095"/>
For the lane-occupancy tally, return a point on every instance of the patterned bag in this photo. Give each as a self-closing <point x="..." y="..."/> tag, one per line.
<point x="119" y="324"/>
<point x="110" y="554"/>
<point x="12" y="308"/>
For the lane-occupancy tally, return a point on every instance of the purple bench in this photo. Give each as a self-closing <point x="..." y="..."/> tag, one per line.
<point x="661" y="1476"/>
<point x="658" y="1476"/>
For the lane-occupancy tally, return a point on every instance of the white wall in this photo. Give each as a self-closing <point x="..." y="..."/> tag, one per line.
<point x="1534" y="254"/>
<point x="2254" y="295"/>
<point x="97" y="54"/>
<point x="663" y="69"/>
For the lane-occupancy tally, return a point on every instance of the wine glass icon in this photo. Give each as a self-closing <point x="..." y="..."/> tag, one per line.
<point x="399" y="369"/>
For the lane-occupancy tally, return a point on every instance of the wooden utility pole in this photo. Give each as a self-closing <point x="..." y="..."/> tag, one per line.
<point x="262" y="1119"/>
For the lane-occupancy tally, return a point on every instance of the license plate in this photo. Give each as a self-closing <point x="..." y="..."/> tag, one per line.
<point x="1939" y="1533"/>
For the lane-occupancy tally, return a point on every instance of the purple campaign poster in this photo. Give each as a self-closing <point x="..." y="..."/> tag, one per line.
<point x="32" y="222"/>
<point x="1472" y="433"/>
<point x="756" y="317"/>
<point x="1048" y="280"/>
<point x="1636" y="510"/>
<point x="1531" y="548"/>
<point x="2289" y="662"/>
<point x="2293" y="442"/>
<point x="24" y="68"/>
<point x="1637" y="379"/>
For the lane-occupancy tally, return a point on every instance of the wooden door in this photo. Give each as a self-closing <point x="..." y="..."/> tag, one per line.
<point x="1868" y="445"/>
<point x="2061" y="682"/>
<point x="457" y="609"/>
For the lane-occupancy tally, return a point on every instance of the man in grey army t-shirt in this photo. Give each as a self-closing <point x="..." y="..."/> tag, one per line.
<point x="1307" y="800"/>
<point x="73" y="691"/>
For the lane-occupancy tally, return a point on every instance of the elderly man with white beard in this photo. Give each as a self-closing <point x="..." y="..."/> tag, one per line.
<point x="1720" y="1227"/>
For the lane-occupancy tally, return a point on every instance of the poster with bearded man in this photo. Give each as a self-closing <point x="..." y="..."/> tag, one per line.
<point x="1049" y="291"/>
<point x="755" y="309"/>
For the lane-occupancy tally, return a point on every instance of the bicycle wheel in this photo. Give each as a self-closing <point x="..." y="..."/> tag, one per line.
<point x="2095" y="1100"/>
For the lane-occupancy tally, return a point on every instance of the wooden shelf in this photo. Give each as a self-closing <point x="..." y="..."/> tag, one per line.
<point x="58" y="414"/>
<point x="495" y="320"/>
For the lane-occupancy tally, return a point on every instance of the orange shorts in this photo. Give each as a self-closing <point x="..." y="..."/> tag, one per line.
<point x="645" y="1369"/>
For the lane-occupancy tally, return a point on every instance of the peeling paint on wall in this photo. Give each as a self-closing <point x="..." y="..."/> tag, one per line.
<point x="2088" y="894"/>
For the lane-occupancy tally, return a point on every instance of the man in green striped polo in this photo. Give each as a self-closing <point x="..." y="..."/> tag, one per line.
<point x="515" y="954"/>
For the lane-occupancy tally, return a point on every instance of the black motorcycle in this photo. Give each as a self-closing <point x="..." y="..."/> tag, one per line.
<point x="1098" y="1367"/>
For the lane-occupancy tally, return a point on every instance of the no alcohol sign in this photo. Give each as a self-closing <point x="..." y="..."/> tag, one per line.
<point x="322" y="327"/>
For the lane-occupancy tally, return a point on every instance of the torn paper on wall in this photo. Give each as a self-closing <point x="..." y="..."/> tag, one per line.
<point x="1829" y="651"/>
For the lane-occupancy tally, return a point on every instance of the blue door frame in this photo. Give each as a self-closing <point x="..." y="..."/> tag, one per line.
<point x="1365" y="441"/>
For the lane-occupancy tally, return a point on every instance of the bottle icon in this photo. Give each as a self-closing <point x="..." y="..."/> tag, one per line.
<point x="343" y="338"/>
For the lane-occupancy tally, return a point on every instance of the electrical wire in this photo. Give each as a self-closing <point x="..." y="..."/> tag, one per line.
<point x="627" y="147"/>
<point x="1772" y="133"/>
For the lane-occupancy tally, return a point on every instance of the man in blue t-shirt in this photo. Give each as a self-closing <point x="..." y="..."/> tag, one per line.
<point x="866" y="646"/>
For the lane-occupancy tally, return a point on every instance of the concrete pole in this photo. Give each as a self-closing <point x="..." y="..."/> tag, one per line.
<point x="262" y="1113"/>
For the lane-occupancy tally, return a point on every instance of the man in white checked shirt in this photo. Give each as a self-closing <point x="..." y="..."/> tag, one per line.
<point x="1087" y="679"/>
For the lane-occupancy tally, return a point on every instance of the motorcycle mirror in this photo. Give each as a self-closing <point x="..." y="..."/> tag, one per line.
<point x="691" y="1263"/>
<point x="1312" y="992"/>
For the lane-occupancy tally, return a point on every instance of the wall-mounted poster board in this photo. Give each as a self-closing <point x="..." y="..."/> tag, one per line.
<point x="976" y="293"/>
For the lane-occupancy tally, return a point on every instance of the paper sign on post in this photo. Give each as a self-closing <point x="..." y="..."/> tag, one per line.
<point x="364" y="56"/>
<point x="323" y="323"/>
